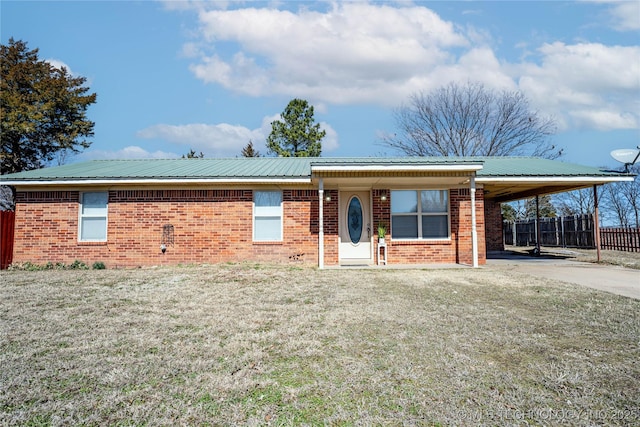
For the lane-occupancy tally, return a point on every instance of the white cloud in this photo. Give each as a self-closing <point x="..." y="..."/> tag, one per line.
<point x="330" y="140"/>
<point x="220" y="140"/>
<point x="603" y="119"/>
<point x="477" y="64"/>
<point x="370" y="53"/>
<point x="223" y="140"/>
<point x="336" y="56"/>
<point x="625" y="15"/>
<point x="182" y="5"/>
<point x="59" y="65"/>
<point x="190" y="50"/>
<point x="130" y="152"/>
<point x="587" y="85"/>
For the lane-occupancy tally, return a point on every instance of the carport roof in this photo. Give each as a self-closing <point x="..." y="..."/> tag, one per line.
<point x="503" y="177"/>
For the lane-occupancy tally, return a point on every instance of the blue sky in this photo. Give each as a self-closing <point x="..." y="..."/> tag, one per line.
<point x="211" y="75"/>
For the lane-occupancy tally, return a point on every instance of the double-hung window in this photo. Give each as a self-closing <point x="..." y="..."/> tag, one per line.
<point x="267" y="215"/>
<point x="93" y="217"/>
<point x="420" y="214"/>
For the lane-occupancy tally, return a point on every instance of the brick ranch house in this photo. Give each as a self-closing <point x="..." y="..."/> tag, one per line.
<point x="322" y="211"/>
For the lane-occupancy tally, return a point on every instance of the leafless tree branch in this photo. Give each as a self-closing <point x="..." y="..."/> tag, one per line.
<point x="471" y="120"/>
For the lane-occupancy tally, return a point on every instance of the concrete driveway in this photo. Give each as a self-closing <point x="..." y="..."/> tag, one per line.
<point x="614" y="279"/>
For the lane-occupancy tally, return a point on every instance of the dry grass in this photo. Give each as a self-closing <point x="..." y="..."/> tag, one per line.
<point x="624" y="259"/>
<point x="273" y="345"/>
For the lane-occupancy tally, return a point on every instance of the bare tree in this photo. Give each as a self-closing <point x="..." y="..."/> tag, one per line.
<point x="631" y="192"/>
<point x="577" y="202"/>
<point x="471" y="120"/>
<point x="616" y="206"/>
<point x="622" y="200"/>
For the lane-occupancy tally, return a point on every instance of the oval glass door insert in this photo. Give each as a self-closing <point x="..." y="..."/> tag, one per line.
<point x="354" y="220"/>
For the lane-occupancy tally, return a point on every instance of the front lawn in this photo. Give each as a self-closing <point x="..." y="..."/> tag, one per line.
<point x="282" y="345"/>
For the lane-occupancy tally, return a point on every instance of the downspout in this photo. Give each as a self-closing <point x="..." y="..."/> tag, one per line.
<point x="474" y="230"/>
<point x="596" y="221"/>
<point x="321" y="224"/>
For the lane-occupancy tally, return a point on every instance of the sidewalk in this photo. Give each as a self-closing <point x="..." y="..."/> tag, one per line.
<point x="614" y="279"/>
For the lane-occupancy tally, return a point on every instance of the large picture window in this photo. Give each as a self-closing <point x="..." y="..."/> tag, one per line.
<point x="93" y="217"/>
<point x="420" y="214"/>
<point x="267" y="215"/>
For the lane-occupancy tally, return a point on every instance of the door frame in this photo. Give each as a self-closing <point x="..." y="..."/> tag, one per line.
<point x="344" y="195"/>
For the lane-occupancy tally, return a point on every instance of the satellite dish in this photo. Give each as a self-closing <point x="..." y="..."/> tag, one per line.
<point x="626" y="156"/>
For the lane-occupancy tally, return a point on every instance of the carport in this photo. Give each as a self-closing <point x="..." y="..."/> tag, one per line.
<point x="537" y="177"/>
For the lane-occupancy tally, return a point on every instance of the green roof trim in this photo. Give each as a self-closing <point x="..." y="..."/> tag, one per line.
<point x="290" y="168"/>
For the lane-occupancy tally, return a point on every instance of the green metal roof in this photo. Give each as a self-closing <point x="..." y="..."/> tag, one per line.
<point x="537" y="167"/>
<point x="171" y="169"/>
<point x="271" y="168"/>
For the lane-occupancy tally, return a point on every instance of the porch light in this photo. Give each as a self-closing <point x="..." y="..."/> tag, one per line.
<point x="383" y="197"/>
<point x="327" y="198"/>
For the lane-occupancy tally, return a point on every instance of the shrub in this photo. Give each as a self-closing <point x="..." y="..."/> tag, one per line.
<point x="75" y="265"/>
<point x="25" y="266"/>
<point x="78" y="265"/>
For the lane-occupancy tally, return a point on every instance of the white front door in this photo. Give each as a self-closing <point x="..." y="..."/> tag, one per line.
<point x="355" y="227"/>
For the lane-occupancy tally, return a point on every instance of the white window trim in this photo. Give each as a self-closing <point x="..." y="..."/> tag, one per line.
<point x="419" y="216"/>
<point x="281" y="214"/>
<point x="81" y="217"/>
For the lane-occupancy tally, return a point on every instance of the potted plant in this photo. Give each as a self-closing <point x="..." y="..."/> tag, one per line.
<point x="382" y="232"/>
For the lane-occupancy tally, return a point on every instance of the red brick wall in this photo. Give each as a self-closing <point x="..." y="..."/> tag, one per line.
<point x="493" y="216"/>
<point x="456" y="250"/>
<point x="330" y="226"/>
<point x="46" y="224"/>
<point x="461" y="224"/>
<point x="212" y="226"/>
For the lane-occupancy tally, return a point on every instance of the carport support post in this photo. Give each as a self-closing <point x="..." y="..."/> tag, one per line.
<point x="538" y="231"/>
<point x="474" y="230"/>
<point x="596" y="221"/>
<point x="321" y="224"/>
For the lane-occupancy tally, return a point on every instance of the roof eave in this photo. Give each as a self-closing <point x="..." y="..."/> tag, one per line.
<point x="551" y="179"/>
<point x="319" y="168"/>
<point x="177" y="181"/>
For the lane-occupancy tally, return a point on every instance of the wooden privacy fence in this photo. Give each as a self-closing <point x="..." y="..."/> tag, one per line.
<point x="7" y="220"/>
<point x="570" y="231"/>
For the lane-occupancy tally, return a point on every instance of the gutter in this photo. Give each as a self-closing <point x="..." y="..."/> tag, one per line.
<point x="62" y="182"/>
<point x="538" y="179"/>
<point x="395" y="168"/>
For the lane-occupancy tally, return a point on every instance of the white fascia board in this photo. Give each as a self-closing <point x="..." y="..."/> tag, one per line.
<point x="157" y="181"/>
<point x="551" y="179"/>
<point x="396" y="168"/>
